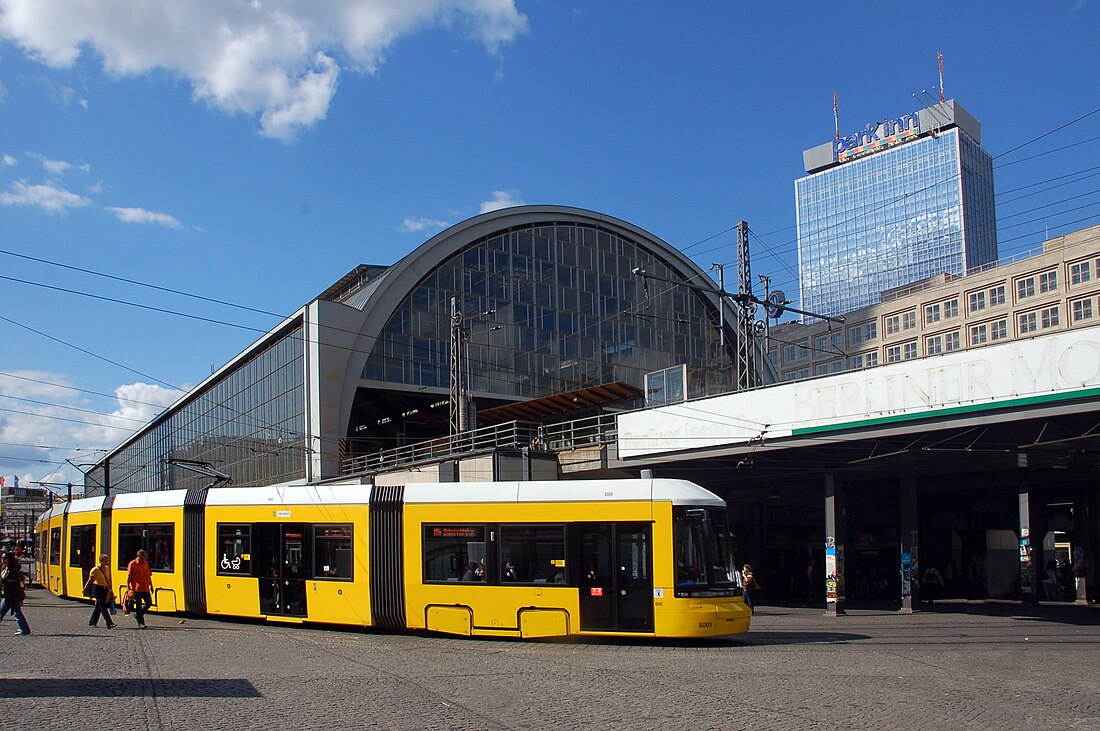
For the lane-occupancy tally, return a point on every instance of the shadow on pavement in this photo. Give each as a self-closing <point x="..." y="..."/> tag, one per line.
<point x="1085" y="615"/>
<point x="753" y="638"/>
<point x="126" y="687"/>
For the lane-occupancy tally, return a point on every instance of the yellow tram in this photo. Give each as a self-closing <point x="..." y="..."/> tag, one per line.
<point x="649" y="557"/>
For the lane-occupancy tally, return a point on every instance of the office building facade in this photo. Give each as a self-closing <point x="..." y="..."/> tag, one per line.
<point x="900" y="201"/>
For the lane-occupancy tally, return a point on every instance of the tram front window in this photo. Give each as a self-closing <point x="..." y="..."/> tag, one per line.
<point x="702" y="552"/>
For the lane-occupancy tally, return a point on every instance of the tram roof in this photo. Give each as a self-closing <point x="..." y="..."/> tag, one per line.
<point x="678" y="492"/>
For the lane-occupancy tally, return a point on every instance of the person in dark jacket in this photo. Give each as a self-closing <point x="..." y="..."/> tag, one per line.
<point x="14" y="592"/>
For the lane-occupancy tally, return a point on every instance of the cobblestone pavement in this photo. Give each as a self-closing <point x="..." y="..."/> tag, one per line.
<point x="975" y="666"/>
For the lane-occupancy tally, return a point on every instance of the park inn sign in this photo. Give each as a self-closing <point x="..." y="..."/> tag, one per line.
<point x="876" y="136"/>
<point x="1049" y="368"/>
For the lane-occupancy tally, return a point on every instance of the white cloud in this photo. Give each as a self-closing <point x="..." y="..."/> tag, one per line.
<point x="278" y="59"/>
<point x="9" y="161"/>
<point x="141" y="215"/>
<point x="419" y="224"/>
<point x="500" y="199"/>
<point x="60" y="167"/>
<point x="62" y="430"/>
<point x="53" y="199"/>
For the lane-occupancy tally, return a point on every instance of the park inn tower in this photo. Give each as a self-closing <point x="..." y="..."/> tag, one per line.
<point x="898" y="201"/>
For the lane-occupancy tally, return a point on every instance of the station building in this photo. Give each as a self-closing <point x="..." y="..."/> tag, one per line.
<point x="545" y="307"/>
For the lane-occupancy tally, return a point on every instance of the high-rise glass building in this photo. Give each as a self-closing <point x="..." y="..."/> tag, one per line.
<point x="899" y="201"/>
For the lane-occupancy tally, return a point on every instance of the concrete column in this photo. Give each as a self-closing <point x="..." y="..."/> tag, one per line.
<point x="1028" y="571"/>
<point x="907" y="546"/>
<point x="834" y="548"/>
<point x="1084" y="526"/>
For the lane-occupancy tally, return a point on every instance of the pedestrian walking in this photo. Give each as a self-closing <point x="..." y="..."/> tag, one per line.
<point x="139" y="578"/>
<point x="750" y="584"/>
<point x="99" y="586"/>
<point x="932" y="585"/>
<point x="14" y="592"/>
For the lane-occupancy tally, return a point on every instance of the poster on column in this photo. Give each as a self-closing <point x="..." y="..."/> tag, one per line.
<point x="830" y="573"/>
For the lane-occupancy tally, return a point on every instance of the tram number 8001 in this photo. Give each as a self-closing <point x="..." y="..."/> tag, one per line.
<point x="706" y="625"/>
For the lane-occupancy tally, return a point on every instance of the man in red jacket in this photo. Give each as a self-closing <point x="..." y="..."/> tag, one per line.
<point x="139" y="577"/>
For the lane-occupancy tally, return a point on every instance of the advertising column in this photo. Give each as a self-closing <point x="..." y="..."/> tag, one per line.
<point x="834" y="549"/>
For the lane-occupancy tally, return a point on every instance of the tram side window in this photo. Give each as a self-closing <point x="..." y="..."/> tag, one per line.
<point x="532" y="554"/>
<point x="234" y="549"/>
<point x="82" y="546"/>
<point x="158" y="540"/>
<point x="55" y="546"/>
<point x="332" y="552"/>
<point x="454" y="553"/>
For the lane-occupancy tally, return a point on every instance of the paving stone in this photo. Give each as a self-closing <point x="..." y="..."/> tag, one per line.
<point x="965" y="665"/>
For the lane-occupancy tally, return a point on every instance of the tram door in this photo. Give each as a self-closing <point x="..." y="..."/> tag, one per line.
<point x="616" y="591"/>
<point x="281" y="555"/>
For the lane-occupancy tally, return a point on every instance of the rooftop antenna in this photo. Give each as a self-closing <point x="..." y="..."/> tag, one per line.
<point x="836" y="117"/>
<point x="939" y="56"/>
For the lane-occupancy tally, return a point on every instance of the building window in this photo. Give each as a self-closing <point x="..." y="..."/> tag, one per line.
<point x="997" y="295"/>
<point x="979" y="334"/>
<point x="796" y="375"/>
<point x="332" y="552"/>
<point x="864" y="360"/>
<point x="1049" y="316"/>
<point x="454" y="553"/>
<point x="933" y="345"/>
<point x="1080" y="272"/>
<point x="941" y="310"/>
<point x="951" y="341"/>
<point x="773" y="356"/>
<point x="795" y="351"/>
<point x="1025" y="288"/>
<point x="1082" y="310"/>
<point x="837" y="341"/>
<point x="977" y="301"/>
<point x="821" y="342"/>
<point x="909" y="350"/>
<point x="1029" y="322"/>
<point x="863" y="331"/>
<point x="893" y="354"/>
<point x="1048" y="281"/>
<point x="998" y="330"/>
<point x="909" y="320"/>
<point x="234" y="549"/>
<point x="893" y="324"/>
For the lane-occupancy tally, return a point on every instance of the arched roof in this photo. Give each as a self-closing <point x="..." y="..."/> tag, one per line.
<point x="382" y="295"/>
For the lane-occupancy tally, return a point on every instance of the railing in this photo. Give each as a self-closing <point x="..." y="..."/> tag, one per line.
<point x="587" y="432"/>
<point x="513" y="434"/>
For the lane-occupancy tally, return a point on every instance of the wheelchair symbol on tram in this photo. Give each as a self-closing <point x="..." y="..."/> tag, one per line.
<point x="235" y="564"/>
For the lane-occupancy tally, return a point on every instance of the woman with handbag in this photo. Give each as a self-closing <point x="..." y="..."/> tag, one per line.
<point x="14" y="582"/>
<point x="99" y="588"/>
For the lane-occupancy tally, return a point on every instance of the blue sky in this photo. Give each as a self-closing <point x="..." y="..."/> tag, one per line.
<point x="254" y="152"/>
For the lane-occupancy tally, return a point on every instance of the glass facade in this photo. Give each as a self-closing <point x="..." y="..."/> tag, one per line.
<point x="549" y="308"/>
<point x="249" y="424"/>
<point x="895" y="217"/>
